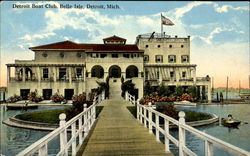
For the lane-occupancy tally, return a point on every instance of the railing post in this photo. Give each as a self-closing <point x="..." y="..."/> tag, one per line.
<point x="208" y="148"/>
<point x="137" y="106"/>
<point x="43" y="150"/>
<point x="166" y="128"/>
<point x="181" y="133"/>
<point x="63" y="134"/>
<point x="126" y="96"/>
<point x="85" y="120"/>
<point x="150" y="121"/>
<point x="145" y="117"/>
<point x="103" y="95"/>
<point x="93" y="113"/>
<point x="141" y="114"/>
<point x="80" y="130"/>
<point x="157" y="133"/>
<point x="99" y="98"/>
<point x="134" y="100"/>
<point x="73" y="135"/>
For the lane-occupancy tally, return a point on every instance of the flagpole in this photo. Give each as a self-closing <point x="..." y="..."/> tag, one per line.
<point x="161" y="26"/>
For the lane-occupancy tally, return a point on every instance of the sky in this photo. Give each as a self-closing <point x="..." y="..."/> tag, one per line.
<point x="219" y="31"/>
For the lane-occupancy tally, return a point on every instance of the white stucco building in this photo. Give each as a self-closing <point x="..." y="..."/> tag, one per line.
<point x="69" y="68"/>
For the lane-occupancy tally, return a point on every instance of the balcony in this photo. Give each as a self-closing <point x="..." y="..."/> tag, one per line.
<point x="207" y="78"/>
<point x="47" y="79"/>
<point x="186" y="79"/>
<point x="16" y="79"/>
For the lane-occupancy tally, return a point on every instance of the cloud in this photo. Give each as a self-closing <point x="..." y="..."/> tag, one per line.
<point x="226" y="8"/>
<point x="37" y="36"/>
<point x="180" y="12"/>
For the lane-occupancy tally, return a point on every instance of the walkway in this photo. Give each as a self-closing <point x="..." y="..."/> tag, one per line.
<point x="117" y="132"/>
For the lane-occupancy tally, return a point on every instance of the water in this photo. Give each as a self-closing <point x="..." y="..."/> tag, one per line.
<point x="14" y="140"/>
<point x="238" y="137"/>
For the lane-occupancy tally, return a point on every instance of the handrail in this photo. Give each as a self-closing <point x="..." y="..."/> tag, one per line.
<point x="80" y="126"/>
<point x="130" y="98"/>
<point x="145" y="116"/>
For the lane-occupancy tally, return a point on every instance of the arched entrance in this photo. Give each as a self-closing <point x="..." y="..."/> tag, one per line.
<point x="114" y="71"/>
<point x="131" y="71"/>
<point x="97" y="71"/>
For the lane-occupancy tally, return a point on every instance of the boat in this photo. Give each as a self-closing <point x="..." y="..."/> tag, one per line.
<point x="230" y="123"/>
<point x="245" y="97"/>
<point x="185" y="103"/>
<point x="21" y="107"/>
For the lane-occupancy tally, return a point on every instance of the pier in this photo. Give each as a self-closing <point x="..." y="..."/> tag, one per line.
<point x="117" y="132"/>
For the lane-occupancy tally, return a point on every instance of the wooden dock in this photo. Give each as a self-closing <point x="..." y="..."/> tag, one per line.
<point x="117" y="132"/>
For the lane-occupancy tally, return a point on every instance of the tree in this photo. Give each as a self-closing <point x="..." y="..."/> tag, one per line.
<point x="192" y="91"/>
<point x="148" y="89"/>
<point x="163" y="91"/>
<point x="103" y="86"/>
<point x="128" y="86"/>
<point x="179" y="91"/>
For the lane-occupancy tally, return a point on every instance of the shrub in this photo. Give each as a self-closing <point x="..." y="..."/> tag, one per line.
<point x="57" y="98"/>
<point x="128" y="86"/>
<point x="32" y="96"/>
<point x="186" y="97"/>
<point x="170" y="110"/>
<point x="14" y="98"/>
<point x="179" y="91"/>
<point x="163" y="91"/>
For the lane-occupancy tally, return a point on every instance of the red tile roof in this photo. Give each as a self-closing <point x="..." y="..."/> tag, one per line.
<point x="68" y="45"/>
<point x="114" y="38"/>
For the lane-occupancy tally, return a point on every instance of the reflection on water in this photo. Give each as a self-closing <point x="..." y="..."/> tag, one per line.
<point x="14" y="140"/>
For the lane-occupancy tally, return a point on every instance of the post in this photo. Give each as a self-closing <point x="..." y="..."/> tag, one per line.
<point x="85" y="120"/>
<point x="80" y="130"/>
<point x="166" y="128"/>
<point x="103" y="95"/>
<point x="93" y="113"/>
<point x="138" y="111"/>
<point x="150" y="121"/>
<point x="73" y="135"/>
<point x="126" y="96"/>
<point x="145" y="117"/>
<point x="157" y="133"/>
<point x="208" y="148"/>
<point x="43" y="150"/>
<point x="63" y="134"/>
<point x="134" y="100"/>
<point x="181" y="133"/>
<point x="99" y="98"/>
<point x="141" y="114"/>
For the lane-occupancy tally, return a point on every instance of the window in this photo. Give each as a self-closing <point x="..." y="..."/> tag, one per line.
<point x="158" y="58"/>
<point x="62" y="55"/>
<point x="146" y="58"/>
<point x="114" y="55"/>
<point x="171" y="58"/>
<point x="159" y="46"/>
<point x="62" y="73"/>
<point x="45" y="73"/>
<point x="146" y="46"/>
<point x="79" y="73"/>
<point x="94" y="55"/>
<point x="79" y="55"/>
<point x="170" y="46"/>
<point x="184" y="74"/>
<point x="126" y="55"/>
<point x="182" y="46"/>
<point x="102" y="55"/>
<point x="158" y="75"/>
<point x="134" y="55"/>
<point x="45" y="55"/>
<point x="172" y="74"/>
<point x="146" y="75"/>
<point x="184" y="59"/>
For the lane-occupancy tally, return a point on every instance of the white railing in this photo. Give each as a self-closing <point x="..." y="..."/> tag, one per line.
<point x="130" y="98"/>
<point x="79" y="126"/>
<point x="146" y="114"/>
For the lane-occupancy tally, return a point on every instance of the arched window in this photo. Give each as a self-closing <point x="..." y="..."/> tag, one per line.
<point x="114" y="71"/>
<point x="131" y="71"/>
<point x="97" y="71"/>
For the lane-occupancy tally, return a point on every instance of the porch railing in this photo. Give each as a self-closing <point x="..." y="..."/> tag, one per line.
<point x="150" y="118"/>
<point x="130" y="98"/>
<point x="79" y="126"/>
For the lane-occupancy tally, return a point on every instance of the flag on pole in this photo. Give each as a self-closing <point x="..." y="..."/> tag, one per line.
<point x="166" y="21"/>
